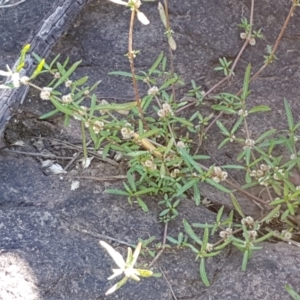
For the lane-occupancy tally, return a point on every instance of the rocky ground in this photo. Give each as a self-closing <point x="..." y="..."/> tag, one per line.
<point x="49" y="234"/>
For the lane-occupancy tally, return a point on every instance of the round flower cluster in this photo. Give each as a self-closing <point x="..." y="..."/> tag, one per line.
<point x="46" y="93"/>
<point x="149" y="164"/>
<point x="127" y="131"/>
<point x="66" y="99"/>
<point x="79" y="113"/>
<point x="165" y="111"/>
<point x="98" y="126"/>
<point x="218" y="175"/>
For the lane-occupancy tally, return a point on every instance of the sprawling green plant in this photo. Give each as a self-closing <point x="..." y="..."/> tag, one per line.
<point x="163" y="157"/>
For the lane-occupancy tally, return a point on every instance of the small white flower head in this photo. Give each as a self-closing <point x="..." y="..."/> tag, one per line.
<point x="243" y="113"/>
<point x="296" y="138"/>
<point x="232" y="138"/>
<point x="248" y="221"/>
<point x="219" y="175"/>
<point x="298" y="187"/>
<point x="80" y="113"/>
<point x="56" y="75"/>
<point x="86" y="93"/>
<point x="87" y="124"/>
<point x="293" y="156"/>
<point x="216" y="179"/>
<point x="181" y="145"/>
<point x="249" y="144"/>
<point x="252" y="41"/>
<point x="286" y="234"/>
<point x="174" y="173"/>
<point x="153" y="90"/>
<point x="225" y="234"/>
<point x="252" y="235"/>
<point x="165" y="111"/>
<point x="264" y="167"/>
<point x="75" y="185"/>
<point x="57" y="169"/>
<point x="259" y="173"/>
<point x="149" y="164"/>
<point x="103" y="111"/>
<point x="86" y="162"/>
<point x="66" y="99"/>
<point x="46" y="93"/>
<point x="14" y="77"/>
<point x="209" y="247"/>
<point x="98" y="126"/>
<point x="24" y="80"/>
<point x="253" y="173"/>
<point x="243" y="35"/>
<point x="68" y="83"/>
<point x="127" y="131"/>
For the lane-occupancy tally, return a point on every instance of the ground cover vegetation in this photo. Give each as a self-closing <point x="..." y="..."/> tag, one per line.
<point x="163" y="147"/>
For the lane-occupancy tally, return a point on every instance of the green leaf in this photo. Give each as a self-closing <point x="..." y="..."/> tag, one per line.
<point x="49" y="114"/>
<point x="292" y="292"/>
<point x="184" y="188"/>
<point x="203" y="272"/>
<point x="126" y="74"/>
<point x="223" y="128"/>
<point x="246" y="83"/>
<point x="271" y="214"/>
<point x="168" y="83"/>
<point x="81" y="81"/>
<point x="66" y="74"/>
<point x="142" y="204"/>
<point x="156" y="63"/>
<point x="245" y="260"/>
<point x="217" y="185"/>
<point x="116" y="192"/>
<point x="289" y="115"/>
<point x="259" y="108"/>
<point x="190" y="232"/>
<point x="237" y="206"/>
<point x="265" y="135"/>
<point x="162" y="15"/>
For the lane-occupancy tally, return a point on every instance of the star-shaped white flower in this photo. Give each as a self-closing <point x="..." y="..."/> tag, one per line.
<point x="125" y="267"/>
<point x="134" y="5"/>
<point x="12" y="76"/>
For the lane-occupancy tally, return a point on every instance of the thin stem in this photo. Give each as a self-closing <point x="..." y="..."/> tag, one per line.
<point x="131" y="58"/>
<point x="231" y="72"/>
<point x="84" y="142"/>
<point x="163" y="246"/>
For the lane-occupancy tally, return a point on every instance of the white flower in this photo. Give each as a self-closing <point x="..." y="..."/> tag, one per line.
<point x="243" y="113"/>
<point x="86" y="162"/>
<point x="46" y="93"/>
<point x="24" y="80"/>
<point x="68" y="83"/>
<point x="243" y="35"/>
<point x="134" y="5"/>
<point x="249" y="144"/>
<point x="66" y="99"/>
<point x="125" y="267"/>
<point x="232" y="138"/>
<point x="98" y="126"/>
<point x="252" y="41"/>
<point x="57" y="169"/>
<point x="75" y="185"/>
<point x="153" y="90"/>
<point x="293" y="156"/>
<point x="180" y="145"/>
<point x="12" y="76"/>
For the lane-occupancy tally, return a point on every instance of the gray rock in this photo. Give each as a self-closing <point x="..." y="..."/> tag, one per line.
<point x="49" y="235"/>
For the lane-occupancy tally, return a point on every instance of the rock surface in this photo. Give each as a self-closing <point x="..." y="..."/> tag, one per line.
<point x="49" y="237"/>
